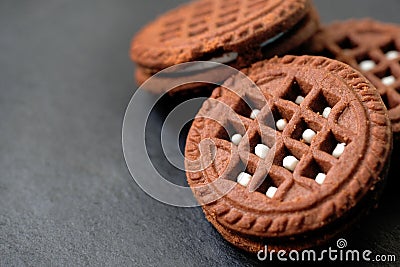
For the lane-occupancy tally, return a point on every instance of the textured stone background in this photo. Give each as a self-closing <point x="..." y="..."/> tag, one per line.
<point x="66" y="196"/>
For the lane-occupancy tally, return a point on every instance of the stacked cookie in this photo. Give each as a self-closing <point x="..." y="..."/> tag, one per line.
<point x="291" y="150"/>
<point x="294" y="184"/>
<point x="236" y="33"/>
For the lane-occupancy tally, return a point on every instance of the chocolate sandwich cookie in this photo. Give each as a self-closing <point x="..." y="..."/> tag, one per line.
<point x="232" y="32"/>
<point x="293" y="161"/>
<point x="371" y="47"/>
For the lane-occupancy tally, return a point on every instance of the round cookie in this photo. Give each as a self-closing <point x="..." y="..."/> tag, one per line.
<point x="232" y="32"/>
<point x="371" y="47"/>
<point x="296" y="184"/>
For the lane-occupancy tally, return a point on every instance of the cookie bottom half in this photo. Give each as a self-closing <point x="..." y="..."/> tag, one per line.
<point x="286" y="42"/>
<point x="310" y="240"/>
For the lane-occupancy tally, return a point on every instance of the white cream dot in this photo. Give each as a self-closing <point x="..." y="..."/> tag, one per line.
<point x="271" y="191"/>
<point x="326" y="112"/>
<point x="299" y="100"/>
<point x="243" y="178"/>
<point x="236" y="138"/>
<point x="392" y="55"/>
<point x="261" y="150"/>
<point x="254" y="113"/>
<point x="339" y="149"/>
<point x="320" y="178"/>
<point x="389" y="80"/>
<point x="367" y="65"/>
<point x="290" y="163"/>
<point x="308" y="135"/>
<point x="281" y="124"/>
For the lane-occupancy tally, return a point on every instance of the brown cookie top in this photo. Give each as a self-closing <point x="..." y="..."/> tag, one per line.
<point x="204" y="29"/>
<point x="312" y="144"/>
<point x="371" y="47"/>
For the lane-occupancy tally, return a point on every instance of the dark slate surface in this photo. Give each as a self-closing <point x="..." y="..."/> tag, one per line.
<point x="66" y="196"/>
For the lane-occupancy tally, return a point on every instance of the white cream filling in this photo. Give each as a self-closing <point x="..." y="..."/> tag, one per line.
<point x="320" y="178"/>
<point x="389" y="80"/>
<point x="290" y="163"/>
<point x="261" y="151"/>
<point x="204" y="65"/>
<point x="272" y="40"/>
<point x="243" y="178"/>
<point x="308" y="135"/>
<point x="236" y="138"/>
<point x="392" y="55"/>
<point x="281" y="124"/>
<point x="299" y="100"/>
<point x="271" y="191"/>
<point x="367" y="65"/>
<point x="226" y="58"/>
<point x="326" y="112"/>
<point x="254" y="113"/>
<point x="339" y="149"/>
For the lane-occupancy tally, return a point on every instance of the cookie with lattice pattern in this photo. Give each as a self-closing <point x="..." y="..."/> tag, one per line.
<point x="232" y="32"/>
<point x="371" y="47"/>
<point x="293" y="161"/>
